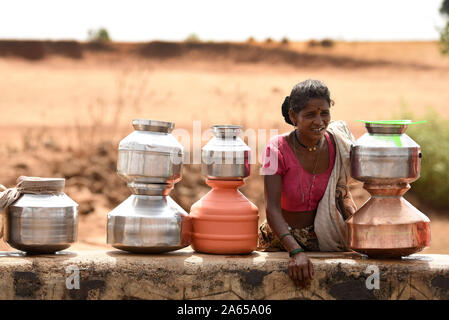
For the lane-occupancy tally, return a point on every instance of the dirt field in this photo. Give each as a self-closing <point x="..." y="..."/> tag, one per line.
<point x="63" y="116"/>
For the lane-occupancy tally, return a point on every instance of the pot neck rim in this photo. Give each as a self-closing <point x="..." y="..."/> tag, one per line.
<point x="225" y="184"/>
<point x="153" y="125"/>
<point x="226" y="131"/>
<point x="376" y="128"/>
<point x="150" y="189"/>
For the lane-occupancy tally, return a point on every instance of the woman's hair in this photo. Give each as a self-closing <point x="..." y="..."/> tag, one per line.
<point x="301" y="94"/>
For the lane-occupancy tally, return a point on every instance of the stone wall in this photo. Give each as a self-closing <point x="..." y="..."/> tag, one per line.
<point x="185" y="274"/>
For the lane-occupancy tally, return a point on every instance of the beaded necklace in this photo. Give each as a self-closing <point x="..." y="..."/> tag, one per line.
<point x="313" y="148"/>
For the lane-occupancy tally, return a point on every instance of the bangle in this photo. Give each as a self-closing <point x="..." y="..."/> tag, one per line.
<point x="284" y="235"/>
<point x="295" y="251"/>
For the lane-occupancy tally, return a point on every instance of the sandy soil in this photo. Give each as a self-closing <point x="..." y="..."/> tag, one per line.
<point x="58" y="110"/>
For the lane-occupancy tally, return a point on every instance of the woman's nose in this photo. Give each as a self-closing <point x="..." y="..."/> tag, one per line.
<point x="318" y="120"/>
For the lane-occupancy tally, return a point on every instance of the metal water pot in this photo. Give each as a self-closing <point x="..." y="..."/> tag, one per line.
<point x="226" y="156"/>
<point x="149" y="221"/>
<point x="42" y="223"/>
<point x="386" y="160"/>
<point x="385" y="154"/>
<point x="150" y="160"/>
<point x="150" y="154"/>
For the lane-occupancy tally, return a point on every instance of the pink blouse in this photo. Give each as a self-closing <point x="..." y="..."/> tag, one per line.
<point x="280" y="159"/>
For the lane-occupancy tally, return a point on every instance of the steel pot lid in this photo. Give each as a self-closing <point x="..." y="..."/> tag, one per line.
<point x="393" y="122"/>
<point x="153" y="125"/>
<point x="41" y="185"/>
<point x="388" y="126"/>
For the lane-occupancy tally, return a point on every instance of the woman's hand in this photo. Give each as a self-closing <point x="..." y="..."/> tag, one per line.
<point x="345" y="203"/>
<point x="349" y="207"/>
<point x="300" y="270"/>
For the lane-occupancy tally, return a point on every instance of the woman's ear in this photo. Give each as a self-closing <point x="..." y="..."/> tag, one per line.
<point x="292" y="116"/>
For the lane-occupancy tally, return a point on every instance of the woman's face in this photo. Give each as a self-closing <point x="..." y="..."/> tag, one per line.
<point x="312" y="121"/>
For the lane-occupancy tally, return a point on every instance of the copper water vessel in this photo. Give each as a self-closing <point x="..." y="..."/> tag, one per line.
<point x="386" y="160"/>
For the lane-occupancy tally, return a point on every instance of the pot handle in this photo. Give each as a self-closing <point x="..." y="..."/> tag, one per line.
<point x="7" y="197"/>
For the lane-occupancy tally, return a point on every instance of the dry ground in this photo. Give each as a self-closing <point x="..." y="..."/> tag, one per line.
<point x="56" y="103"/>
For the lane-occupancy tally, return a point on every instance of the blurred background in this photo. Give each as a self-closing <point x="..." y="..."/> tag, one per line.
<point x="74" y="74"/>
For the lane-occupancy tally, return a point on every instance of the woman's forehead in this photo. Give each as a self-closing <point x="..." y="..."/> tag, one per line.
<point x="316" y="103"/>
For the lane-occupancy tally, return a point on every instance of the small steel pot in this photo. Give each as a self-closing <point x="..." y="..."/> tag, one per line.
<point x="226" y="156"/>
<point x="150" y="154"/>
<point x="42" y="223"/>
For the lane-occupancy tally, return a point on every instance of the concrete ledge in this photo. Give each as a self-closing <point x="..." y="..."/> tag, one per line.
<point x="185" y="274"/>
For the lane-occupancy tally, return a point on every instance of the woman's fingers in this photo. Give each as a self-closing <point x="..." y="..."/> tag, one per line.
<point x="349" y="205"/>
<point x="298" y="273"/>
<point x="349" y="210"/>
<point x="352" y="209"/>
<point x="292" y="272"/>
<point x="305" y="273"/>
<point x="310" y="269"/>
<point x="301" y="272"/>
<point x="299" y="279"/>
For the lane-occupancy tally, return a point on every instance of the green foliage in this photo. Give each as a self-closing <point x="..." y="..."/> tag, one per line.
<point x="444" y="10"/>
<point x="98" y="35"/>
<point x="193" y="37"/>
<point x="285" y="41"/>
<point x="444" y="39"/>
<point x="433" y="137"/>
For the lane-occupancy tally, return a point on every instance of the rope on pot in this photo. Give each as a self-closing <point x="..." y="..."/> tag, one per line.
<point x="8" y="196"/>
<point x="31" y="185"/>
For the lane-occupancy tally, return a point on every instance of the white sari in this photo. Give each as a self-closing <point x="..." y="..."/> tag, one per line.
<point x="329" y="223"/>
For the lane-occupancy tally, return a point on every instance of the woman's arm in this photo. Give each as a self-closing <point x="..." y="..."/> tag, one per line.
<point x="273" y="188"/>
<point x="300" y="268"/>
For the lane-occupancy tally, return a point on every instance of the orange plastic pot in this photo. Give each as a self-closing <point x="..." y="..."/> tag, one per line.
<point x="224" y="221"/>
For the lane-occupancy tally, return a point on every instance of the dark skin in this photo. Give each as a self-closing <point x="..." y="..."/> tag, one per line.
<point x="311" y="123"/>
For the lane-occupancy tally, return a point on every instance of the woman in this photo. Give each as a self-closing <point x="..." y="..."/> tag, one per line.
<point x="306" y="174"/>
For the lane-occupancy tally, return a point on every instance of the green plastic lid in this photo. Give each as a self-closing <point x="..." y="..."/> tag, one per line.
<point x="397" y="122"/>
